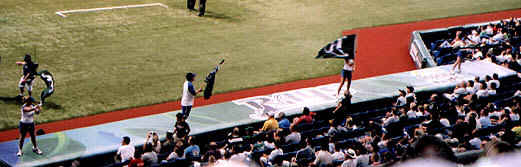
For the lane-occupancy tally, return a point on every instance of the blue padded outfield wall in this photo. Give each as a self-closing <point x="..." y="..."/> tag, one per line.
<point x="106" y="138"/>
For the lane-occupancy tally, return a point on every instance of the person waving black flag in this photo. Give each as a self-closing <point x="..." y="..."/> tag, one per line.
<point x="210" y="80"/>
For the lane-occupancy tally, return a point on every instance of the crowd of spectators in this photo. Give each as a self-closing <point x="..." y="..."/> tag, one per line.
<point x="498" y="43"/>
<point x="480" y="114"/>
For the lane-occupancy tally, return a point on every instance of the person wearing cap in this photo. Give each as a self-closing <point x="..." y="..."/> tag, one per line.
<point x="187" y="100"/>
<point x="27" y="124"/>
<point x="271" y="123"/>
<point x="29" y="71"/>
<point x="47" y="77"/>
<point x="401" y="100"/>
<point x="125" y="151"/>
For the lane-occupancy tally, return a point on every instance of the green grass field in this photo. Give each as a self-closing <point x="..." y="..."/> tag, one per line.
<point x="109" y="60"/>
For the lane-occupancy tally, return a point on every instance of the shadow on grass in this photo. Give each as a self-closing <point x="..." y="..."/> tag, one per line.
<point x="219" y="16"/>
<point x="52" y="105"/>
<point x="12" y="100"/>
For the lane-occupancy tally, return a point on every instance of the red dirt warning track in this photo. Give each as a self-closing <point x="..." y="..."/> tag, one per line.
<point x="381" y="50"/>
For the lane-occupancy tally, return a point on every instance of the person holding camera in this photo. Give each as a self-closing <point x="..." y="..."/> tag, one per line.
<point x="156" y="144"/>
<point x="27" y="124"/>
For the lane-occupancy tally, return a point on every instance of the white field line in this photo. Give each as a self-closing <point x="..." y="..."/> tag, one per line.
<point x="62" y="13"/>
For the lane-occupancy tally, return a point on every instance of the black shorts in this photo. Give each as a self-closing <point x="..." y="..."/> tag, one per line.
<point x="347" y="74"/>
<point x="26" y="127"/>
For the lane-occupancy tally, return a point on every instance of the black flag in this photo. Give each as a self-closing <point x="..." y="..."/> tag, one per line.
<point x="210" y="79"/>
<point x="343" y="47"/>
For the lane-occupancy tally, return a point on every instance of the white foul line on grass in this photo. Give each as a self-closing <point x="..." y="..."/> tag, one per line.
<point x="62" y="13"/>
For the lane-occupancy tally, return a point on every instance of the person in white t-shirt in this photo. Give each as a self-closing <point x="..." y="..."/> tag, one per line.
<point x="347" y="73"/>
<point x="27" y="124"/>
<point x="470" y="87"/>
<point x="459" y="91"/>
<point x="477" y="84"/>
<point x="482" y="93"/>
<point x="125" y="151"/>
<point x="495" y="79"/>
<point x="187" y="100"/>
<point x="477" y="54"/>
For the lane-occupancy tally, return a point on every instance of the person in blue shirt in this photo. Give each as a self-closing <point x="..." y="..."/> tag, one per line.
<point x="192" y="150"/>
<point x="284" y="122"/>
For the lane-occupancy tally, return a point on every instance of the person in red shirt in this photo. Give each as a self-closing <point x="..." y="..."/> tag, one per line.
<point x="306" y="118"/>
<point x="137" y="161"/>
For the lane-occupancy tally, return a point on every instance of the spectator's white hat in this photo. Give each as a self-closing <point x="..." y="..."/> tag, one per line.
<point x="271" y="113"/>
<point x="351" y="153"/>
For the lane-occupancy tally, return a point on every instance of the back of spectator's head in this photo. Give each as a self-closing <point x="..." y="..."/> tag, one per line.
<point x="487" y="78"/>
<point x="126" y="139"/>
<point x="432" y="147"/>
<point x="483" y="86"/>
<point x="495" y="148"/>
<point x="484" y="112"/>
<point x="493" y="86"/>
<point x="271" y="114"/>
<point x="476" y="79"/>
<point x="402" y="92"/>
<point x="306" y="111"/>
<point x="169" y="135"/>
<point x="191" y="140"/>
<point x="410" y="89"/>
<point x="137" y="153"/>
<point x="470" y="83"/>
<point x="495" y="76"/>
<point x="148" y="147"/>
<point x="179" y="116"/>
<point x="235" y="131"/>
<point x="213" y="145"/>
<point x="282" y="115"/>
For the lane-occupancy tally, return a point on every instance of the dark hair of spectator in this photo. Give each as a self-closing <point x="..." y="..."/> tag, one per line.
<point x="440" y="147"/>
<point x="126" y="140"/>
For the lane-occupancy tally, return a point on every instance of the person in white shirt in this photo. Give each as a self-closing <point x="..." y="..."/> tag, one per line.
<point x="477" y="84"/>
<point x="477" y="54"/>
<point x="27" y="124"/>
<point x="125" y="151"/>
<point x="338" y="155"/>
<point x="514" y="115"/>
<point x="323" y="158"/>
<point x="459" y="91"/>
<point x="492" y="90"/>
<point x="347" y="73"/>
<point x="488" y="80"/>
<point x="444" y="121"/>
<point x="475" y="38"/>
<point x="489" y="30"/>
<point x="412" y="111"/>
<point x="482" y="93"/>
<point x="495" y="79"/>
<point x="401" y="100"/>
<point x="410" y="96"/>
<point x="470" y="87"/>
<point x="187" y="100"/>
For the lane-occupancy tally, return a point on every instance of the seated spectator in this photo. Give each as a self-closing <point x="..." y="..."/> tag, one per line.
<point x="293" y="137"/>
<point x="495" y="79"/>
<point x="514" y="115"/>
<point x="412" y="111"/>
<point x="284" y="122"/>
<point x="459" y="92"/>
<point x="477" y="84"/>
<point x="392" y="116"/>
<point x="488" y="80"/>
<point x="270" y="124"/>
<point x="269" y="143"/>
<point x="125" y="151"/>
<point x="137" y="161"/>
<point x="338" y="155"/>
<point x="492" y="90"/>
<point x="363" y="158"/>
<point x="475" y="142"/>
<point x="305" y="118"/>
<point x="401" y="100"/>
<point x="482" y="93"/>
<point x="444" y="121"/>
<point x="470" y="87"/>
<point x="169" y="144"/>
<point x="212" y="151"/>
<point x="149" y="157"/>
<point x="181" y="128"/>
<point x="477" y="54"/>
<point x="336" y="130"/>
<point x="305" y="154"/>
<point x="192" y="150"/>
<point x="350" y="156"/>
<point x="153" y="138"/>
<point x="484" y="120"/>
<point x="276" y="151"/>
<point x="259" y="146"/>
<point x="410" y="96"/>
<point x="324" y="158"/>
<point x="177" y="152"/>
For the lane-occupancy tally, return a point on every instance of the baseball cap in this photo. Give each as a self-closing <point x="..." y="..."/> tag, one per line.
<point x="410" y="88"/>
<point x="190" y="75"/>
<point x="27" y="56"/>
<point x="402" y="91"/>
